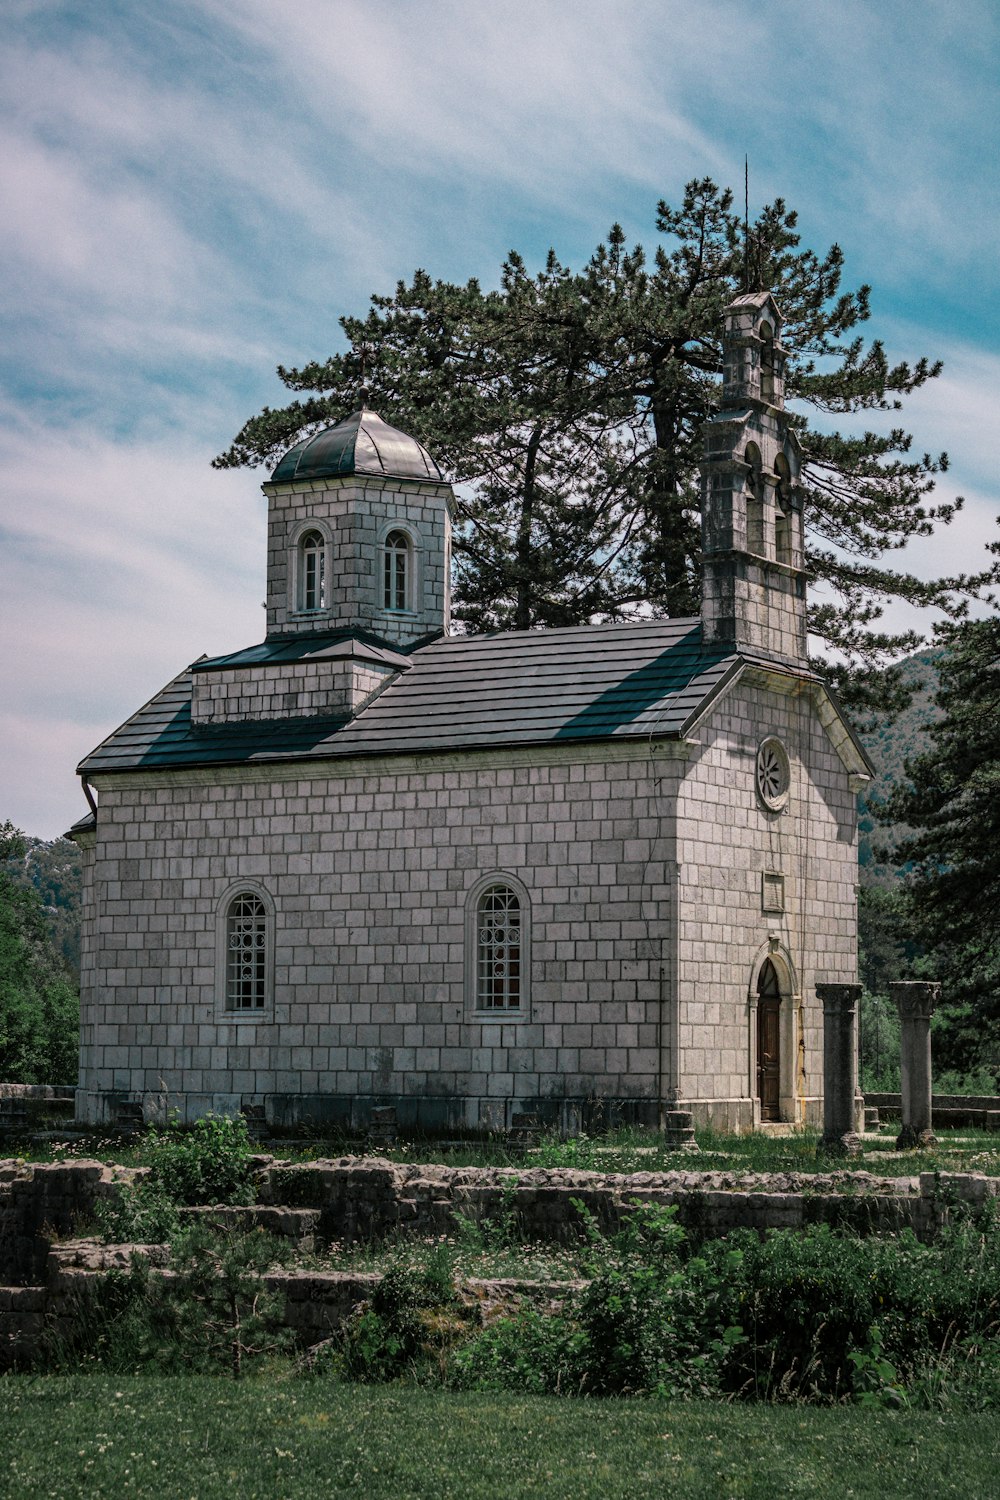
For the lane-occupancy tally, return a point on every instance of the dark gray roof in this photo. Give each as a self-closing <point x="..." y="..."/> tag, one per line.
<point x="361" y="444"/>
<point x="591" y="682"/>
<point x="309" y="646"/>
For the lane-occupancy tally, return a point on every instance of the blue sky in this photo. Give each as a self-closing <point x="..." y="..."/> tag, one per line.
<point x="194" y="192"/>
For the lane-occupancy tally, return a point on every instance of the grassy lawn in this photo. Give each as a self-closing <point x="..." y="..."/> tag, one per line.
<point x="94" y="1437"/>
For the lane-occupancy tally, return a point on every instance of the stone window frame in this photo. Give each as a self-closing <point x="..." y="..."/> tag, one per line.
<point x="474" y="1006"/>
<point x="414" y="569"/>
<point x="296" y="570"/>
<point x="222" y="915"/>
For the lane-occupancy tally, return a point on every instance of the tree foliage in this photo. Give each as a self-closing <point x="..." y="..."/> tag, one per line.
<point x="39" y="1006"/>
<point x="567" y="407"/>
<point x="952" y="804"/>
<point x="54" y="869"/>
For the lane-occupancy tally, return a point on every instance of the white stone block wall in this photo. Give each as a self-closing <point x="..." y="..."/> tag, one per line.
<point x="286" y="690"/>
<point x="645" y="910"/>
<point x="727" y="842"/>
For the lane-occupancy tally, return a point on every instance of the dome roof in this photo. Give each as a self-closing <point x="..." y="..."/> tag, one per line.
<point x="361" y="444"/>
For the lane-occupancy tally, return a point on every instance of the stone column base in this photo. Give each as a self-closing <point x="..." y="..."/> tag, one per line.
<point x="848" y="1144"/>
<point x="909" y="1139"/>
<point x="678" y="1131"/>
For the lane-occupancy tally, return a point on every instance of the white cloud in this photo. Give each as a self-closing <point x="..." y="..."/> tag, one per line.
<point x="121" y="563"/>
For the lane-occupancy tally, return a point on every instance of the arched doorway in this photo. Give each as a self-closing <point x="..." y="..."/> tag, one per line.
<point x="769" y="1042"/>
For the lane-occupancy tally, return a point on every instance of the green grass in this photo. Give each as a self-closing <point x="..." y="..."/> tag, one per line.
<point x="90" y="1437"/>
<point x="958" y="1150"/>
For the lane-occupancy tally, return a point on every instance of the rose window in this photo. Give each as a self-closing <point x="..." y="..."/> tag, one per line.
<point x="773" y="775"/>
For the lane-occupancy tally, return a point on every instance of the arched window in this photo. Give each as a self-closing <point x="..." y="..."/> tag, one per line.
<point x="312" y="571"/>
<point x="499" y="949"/>
<point x="782" y="519"/>
<point x="396" y="571"/>
<point x="246" y="939"/>
<point x="755" y="500"/>
<point x="769" y="1042"/>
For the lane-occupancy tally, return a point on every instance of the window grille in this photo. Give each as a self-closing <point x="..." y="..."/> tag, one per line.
<point x="246" y="952"/>
<point x="498" y="950"/>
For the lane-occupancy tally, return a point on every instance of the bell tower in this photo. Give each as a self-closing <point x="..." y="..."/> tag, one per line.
<point x="753" y="547"/>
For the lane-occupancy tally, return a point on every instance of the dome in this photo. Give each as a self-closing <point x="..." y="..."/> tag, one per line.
<point x="361" y="444"/>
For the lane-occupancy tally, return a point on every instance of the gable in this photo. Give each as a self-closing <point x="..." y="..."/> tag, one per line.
<point x="750" y="672"/>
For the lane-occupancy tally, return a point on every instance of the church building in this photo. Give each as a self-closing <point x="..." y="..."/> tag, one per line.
<point x="593" y="872"/>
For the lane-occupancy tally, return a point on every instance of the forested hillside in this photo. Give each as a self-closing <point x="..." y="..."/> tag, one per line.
<point x="52" y="870"/>
<point x="39" y="1001"/>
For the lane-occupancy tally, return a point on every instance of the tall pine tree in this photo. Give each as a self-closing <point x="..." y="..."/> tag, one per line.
<point x="567" y="408"/>
<point x="952" y="804"/>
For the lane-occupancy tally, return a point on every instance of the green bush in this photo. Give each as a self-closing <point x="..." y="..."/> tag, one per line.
<point x="407" y="1326"/>
<point x="813" y="1315"/>
<point x="206" y="1164"/>
<point x="649" y="1321"/>
<point x="531" y="1352"/>
<point x="810" y="1303"/>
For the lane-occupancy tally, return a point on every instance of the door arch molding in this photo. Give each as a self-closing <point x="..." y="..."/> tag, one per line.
<point x="790" y="1082"/>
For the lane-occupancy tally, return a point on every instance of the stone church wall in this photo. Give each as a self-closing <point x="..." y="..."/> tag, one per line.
<point x="762" y="884"/>
<point x="652" y="902"/>
<point x="370" y="868"/>
<point x="290" y="690"/>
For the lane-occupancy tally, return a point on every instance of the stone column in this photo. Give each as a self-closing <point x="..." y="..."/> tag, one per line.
<point x="917" y="1000"/>
<point x="840" y="1067"/>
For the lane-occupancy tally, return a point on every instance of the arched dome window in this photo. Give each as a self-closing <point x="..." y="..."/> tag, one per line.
<point x="312" y="571"/>
<point x="397" y="571"/>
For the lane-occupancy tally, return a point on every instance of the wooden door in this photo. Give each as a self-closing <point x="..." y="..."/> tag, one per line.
<point x="769" y="1043"/>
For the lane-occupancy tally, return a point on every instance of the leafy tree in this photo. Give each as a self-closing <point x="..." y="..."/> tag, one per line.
<point x="39" y="1007"/>
<point x="952" y="804"/>
<point x="567" y="407"/>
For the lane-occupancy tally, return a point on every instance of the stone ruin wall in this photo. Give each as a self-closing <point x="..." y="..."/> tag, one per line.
<point x="356" y="1198"/>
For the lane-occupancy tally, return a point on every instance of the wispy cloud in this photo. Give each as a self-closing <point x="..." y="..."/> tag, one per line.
<point x="194" y="192"/>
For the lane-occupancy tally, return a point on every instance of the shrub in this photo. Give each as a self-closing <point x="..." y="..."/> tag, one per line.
<point x="206" y="1164"/>
<point x="536" y="1353"/>
<point x="407" y="1327"/>
<point x="216" y="1305"/>
<point x="214" y="1310"/>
